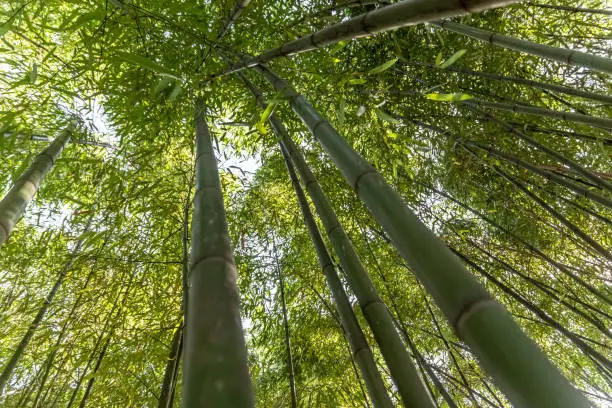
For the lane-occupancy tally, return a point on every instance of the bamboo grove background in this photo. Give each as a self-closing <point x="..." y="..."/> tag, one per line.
<point x="504" y="155"/>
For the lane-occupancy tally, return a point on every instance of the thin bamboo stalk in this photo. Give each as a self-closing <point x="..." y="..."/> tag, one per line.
<point x="402" y="14"/>
<point x="359" y="346"/>
<point x="517" y="365"/>
<point x="588" y="174"/>
<point x="571" y="57"/>
<point x="290" y="371"/>
<point x="215" y="371"/>
<point x="238" y="8"/>
<point x="404" y="373"/>
<point x="13" y="204"/>
<point x="572" y="9"/>
<point x="534" y="110"/>
<point x="561" y="267"/>
<point x="170" y="371"/>
<point x="522" y="81"/>
<point x="548" y="208"/>
<point x="42" y="311"/>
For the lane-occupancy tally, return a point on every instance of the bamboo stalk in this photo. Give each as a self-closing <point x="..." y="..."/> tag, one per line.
<point x="402" y="14"/>
<point x="290" y="371"/>
<point x="238" y="8"/>
<point x="215" y="372"/>
<point x="170" y="371"/>
<point x="404" y="373"/>
<point x="522" y="81"/>
<point x="517" y="365"/>
<point x="533" y="110"/>
<point x="15" y="201"/>
<point x="552" y="211"/>
<point x="359" y="346"/>
<point x="572" y="9"/>
<point x="42" y="311"/>
<point x="571" y="57"/>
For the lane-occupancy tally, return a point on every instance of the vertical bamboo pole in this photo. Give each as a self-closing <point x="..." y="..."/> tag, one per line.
<point x="215" y="371"/>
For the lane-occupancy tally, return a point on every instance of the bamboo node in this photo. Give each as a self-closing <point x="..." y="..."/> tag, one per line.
<point x="470" y="309"/>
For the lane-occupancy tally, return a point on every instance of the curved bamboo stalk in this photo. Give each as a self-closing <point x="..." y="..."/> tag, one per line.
<point x="571" y="57"/>
<point x="517" y="365"/>
<point x="337" y="7"/>
<point x="522" y="81"/>
<point x="359" y="346"/>
<point x="14" y="203"/>
<point x="404" y="373"/>
<point x="402" y="14"/>
<point x="534" y="110"/>
<point x="215" y="371"/>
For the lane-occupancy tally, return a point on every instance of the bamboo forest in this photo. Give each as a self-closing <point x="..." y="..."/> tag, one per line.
<point x="305" y="203"/>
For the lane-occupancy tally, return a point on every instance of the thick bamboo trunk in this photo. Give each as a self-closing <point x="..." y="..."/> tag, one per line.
<point x="402" y="14"/>
<point x="514" y="361"/>
<point x="571" y="57"/>
<point x="14" y="203"/>
<point x="215" y="372"/>
<point x="534" y="110"/>
<point x="359" y="346"/>
<point x="403" y="371"/>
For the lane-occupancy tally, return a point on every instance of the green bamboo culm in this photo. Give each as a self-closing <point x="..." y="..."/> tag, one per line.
<point x="571" y="57"/>
<point x="215" y="372"/>
<point x="516" y="364"/>
<point x="534" y="110"/>
<point x="359" y="347"/>
<point x="15" y="201"/>
<point x="238" y="8"/>
<point x="402" y="14"/>
<point x="403" y="371"/>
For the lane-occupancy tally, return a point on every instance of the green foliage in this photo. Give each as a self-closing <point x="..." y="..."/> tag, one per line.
<point x="131" y="71"/>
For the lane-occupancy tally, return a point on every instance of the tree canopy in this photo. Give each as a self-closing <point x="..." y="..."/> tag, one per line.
<point x="493" y="127"/>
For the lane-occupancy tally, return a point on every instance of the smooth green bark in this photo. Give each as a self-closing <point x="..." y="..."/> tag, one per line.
<point x="513" y="360"/>
<point x="571" y="57"/>
<point x="14" y="203"/>
<point x="215" y="372"/>
<point x="401" y="14"/>
<point x="359" y="346"/>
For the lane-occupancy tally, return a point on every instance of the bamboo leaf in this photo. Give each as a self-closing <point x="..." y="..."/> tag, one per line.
<point x="357" y="81"/>
<point x="146" y="63"/>
<point x="447" y="97"/>
<point x="452" y="59"/>
<point x="386" y="117"/>
<point x="383" y="67"/>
